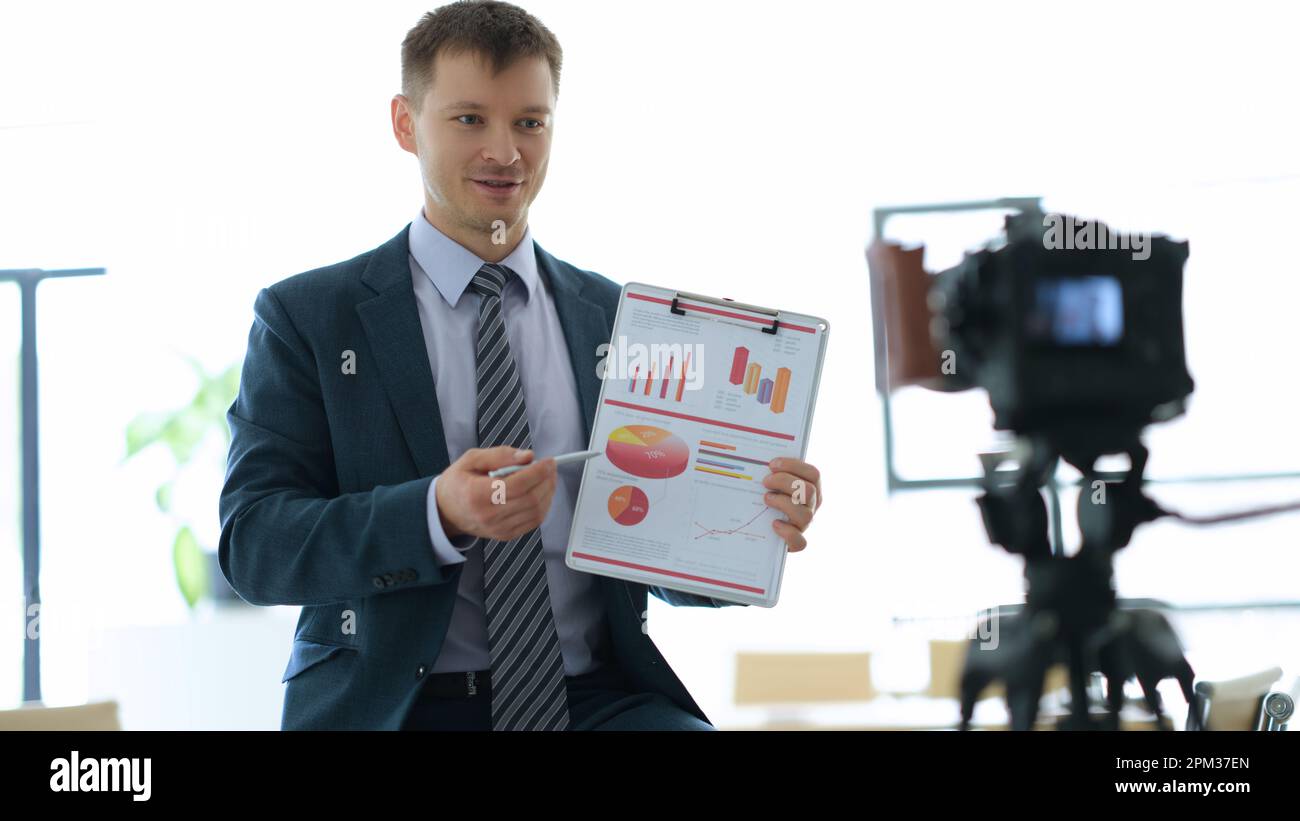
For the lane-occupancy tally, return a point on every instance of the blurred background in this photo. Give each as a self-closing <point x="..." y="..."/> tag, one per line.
<point x="200" y="153"/>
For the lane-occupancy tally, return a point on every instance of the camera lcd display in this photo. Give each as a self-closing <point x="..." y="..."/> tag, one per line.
<point x="1077" y="311"/>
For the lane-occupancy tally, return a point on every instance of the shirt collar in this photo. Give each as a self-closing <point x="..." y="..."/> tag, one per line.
<point x="451" y="266"/>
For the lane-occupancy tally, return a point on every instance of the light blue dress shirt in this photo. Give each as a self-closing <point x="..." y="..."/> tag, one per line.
<point x="441" y="270"/>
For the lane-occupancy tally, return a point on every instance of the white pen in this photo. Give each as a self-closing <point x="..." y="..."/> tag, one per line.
<point x="564" y="458"/>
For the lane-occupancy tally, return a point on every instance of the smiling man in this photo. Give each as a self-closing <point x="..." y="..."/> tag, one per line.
<point x="378" y="392"/>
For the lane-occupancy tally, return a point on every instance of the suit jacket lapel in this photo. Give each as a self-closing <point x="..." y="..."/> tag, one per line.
<point x="392" y="324"/>
<point x="586" y="326"/>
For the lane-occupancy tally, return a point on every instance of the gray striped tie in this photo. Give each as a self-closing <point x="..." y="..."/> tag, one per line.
<point x="528" y="691"/>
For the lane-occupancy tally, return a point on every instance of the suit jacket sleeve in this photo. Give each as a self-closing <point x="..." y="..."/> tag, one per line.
<point x="287" y="535"/>
<point x="677" y="598"/>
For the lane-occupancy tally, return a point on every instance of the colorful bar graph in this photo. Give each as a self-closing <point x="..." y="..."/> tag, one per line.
<point x="763" y="462"/>
<point x="738" y="360"/>
<point x="682" y="384"/>
<point x="724" y="473"/>
<point x="781" y="389"/>
<point x="663" y="389"/>
<point x="718" y="464"/>
<point x="665" y="378"/>
<point x="768" y="391"/>
<point x="717" y="445"/>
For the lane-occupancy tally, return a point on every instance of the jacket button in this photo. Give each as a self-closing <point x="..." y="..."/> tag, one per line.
<point x="379" y="581"/>
<point x="419" y="671"/>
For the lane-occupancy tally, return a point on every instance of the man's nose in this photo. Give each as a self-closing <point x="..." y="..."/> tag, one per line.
<point x="500" y="147"/>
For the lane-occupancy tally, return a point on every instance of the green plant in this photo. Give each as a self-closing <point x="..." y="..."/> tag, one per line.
<point x="182" y="431"/>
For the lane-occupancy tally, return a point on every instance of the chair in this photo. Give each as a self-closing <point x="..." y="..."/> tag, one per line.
<point x="1232" y="704"/>
<point x="786" y="680"/>
<point x="799" y="678"/>
<point x="97" y="715"/>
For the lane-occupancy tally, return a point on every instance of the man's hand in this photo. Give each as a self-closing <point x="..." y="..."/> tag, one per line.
<point x="504" y="508"/>
<point x="794" y="488"/>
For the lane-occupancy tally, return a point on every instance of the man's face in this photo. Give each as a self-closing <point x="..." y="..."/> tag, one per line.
<point x="475" y="128"/>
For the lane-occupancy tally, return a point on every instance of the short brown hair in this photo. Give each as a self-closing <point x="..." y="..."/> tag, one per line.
<point x="499" y="31"/>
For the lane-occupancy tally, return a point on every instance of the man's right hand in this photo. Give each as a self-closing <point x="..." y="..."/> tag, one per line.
<point x="471" y="502"/>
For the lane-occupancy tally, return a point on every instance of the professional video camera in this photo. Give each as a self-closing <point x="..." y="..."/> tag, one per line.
<point x="1076" y="334"/>
<point x="1067" y="341"/>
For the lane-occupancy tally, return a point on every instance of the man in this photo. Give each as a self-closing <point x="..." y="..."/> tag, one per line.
<point x="429" y="602"/>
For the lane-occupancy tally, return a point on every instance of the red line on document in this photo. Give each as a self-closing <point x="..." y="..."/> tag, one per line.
<point x="719" y="582"/>
<point x="662" y="412"/>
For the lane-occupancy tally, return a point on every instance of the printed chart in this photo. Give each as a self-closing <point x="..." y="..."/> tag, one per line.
<point x="693" y="408"/>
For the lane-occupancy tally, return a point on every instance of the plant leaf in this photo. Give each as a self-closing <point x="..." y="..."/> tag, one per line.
<point x="144" y="430"/>
<point x="191" y="569"/>
<point x="163" y="496"/>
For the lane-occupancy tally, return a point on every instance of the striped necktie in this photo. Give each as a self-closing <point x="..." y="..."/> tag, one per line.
<point x="528" y="691"/>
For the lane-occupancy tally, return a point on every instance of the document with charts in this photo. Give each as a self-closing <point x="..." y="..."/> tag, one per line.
<point x="697" y="395"/>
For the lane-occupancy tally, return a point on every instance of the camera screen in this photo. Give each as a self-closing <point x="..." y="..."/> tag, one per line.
<point x="1077" y="311"/>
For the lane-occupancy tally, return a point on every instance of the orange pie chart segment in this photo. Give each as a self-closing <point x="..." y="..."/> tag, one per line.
<point x="628" y="505"/>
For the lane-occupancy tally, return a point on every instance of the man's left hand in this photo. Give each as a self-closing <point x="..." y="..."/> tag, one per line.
<point x="794" y="488"/>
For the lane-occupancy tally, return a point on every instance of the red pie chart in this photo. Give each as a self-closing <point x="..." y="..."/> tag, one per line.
<point x="644" y="450"/>
<point x="628" y="505"/>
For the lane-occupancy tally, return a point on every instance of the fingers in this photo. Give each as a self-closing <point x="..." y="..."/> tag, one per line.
<point x="791" y="484"/>
<point x="481" y="460"/>
<point x="797" y="467"/>
<point x="507" y="507"/>
<point x="799" y="515"/>
<point x="794" y="488"/>
<point x="522" y="514"/>
<point x="794" y="540"/>
<point x="518" y="485"/>
<point x="527" y="480"/>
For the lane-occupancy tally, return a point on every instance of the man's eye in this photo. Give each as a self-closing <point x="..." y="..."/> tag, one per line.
<point x="526" y="123"/>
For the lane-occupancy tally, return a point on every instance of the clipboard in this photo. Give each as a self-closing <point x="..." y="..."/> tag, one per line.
<point x="686" y="430"/>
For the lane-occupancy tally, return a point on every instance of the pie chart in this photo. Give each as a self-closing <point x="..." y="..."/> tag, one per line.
<point x="647" y="451"/>
<point x="628" y="505"/>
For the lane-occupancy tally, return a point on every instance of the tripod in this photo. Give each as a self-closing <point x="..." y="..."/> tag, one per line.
<point x="1070" y="615"/>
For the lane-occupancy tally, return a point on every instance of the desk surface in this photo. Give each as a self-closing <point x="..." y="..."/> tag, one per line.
<point x="900" y="713"/>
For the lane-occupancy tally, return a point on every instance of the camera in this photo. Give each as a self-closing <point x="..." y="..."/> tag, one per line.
<point x="1076" y="335"/>
<point x="1070" y="329"/>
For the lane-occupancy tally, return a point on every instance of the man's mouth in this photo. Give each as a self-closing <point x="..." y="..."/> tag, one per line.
<point x="496" y="186"/>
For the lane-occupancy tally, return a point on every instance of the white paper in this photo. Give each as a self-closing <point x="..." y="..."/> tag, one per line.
<point x="676" y="498"/>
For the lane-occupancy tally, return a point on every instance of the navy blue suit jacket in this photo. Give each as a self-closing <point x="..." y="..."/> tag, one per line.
<point x="323" y="504"/>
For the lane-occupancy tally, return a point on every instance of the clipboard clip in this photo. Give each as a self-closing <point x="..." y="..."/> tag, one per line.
<point x="729" y="303"/>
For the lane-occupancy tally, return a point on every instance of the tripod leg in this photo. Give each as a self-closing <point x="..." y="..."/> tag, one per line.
<point x="1114" y="700"/>
<point x="972" y="684"/>
<point x="1151" y="695"/>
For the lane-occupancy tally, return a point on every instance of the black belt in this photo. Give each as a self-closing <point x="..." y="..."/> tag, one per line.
<point x="478" y="683"/>
<point x="458" y="685"/>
